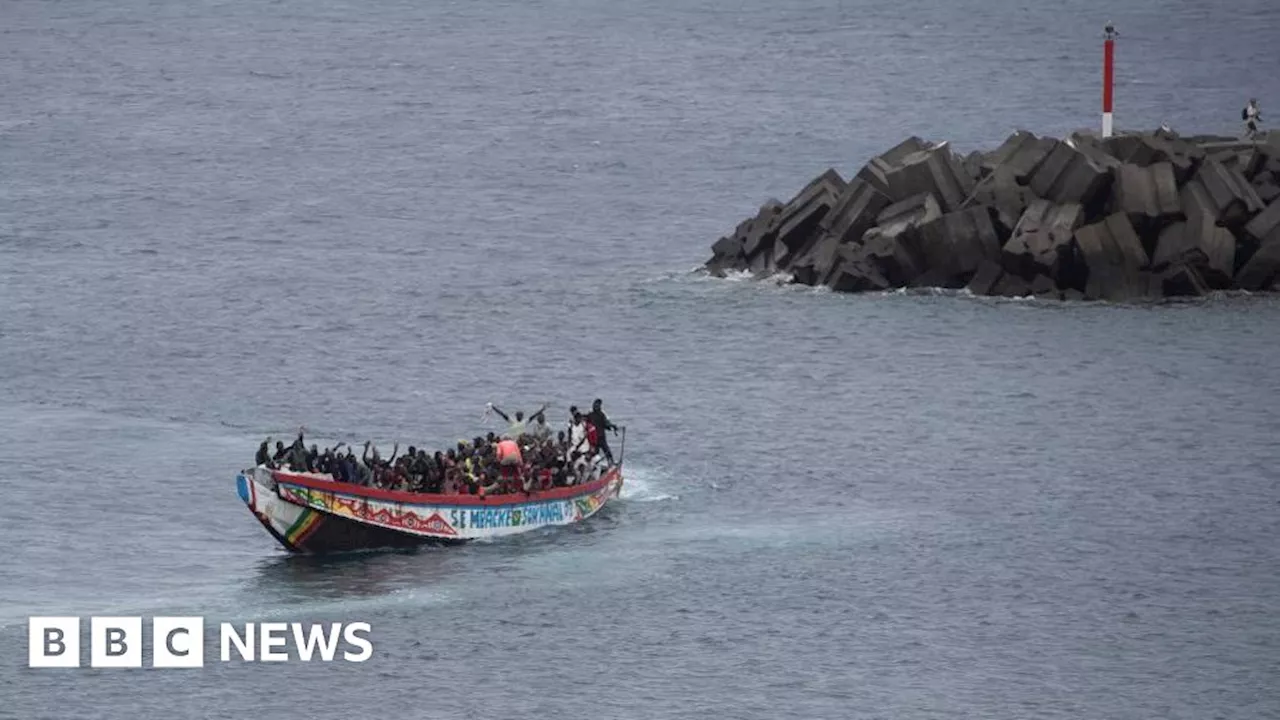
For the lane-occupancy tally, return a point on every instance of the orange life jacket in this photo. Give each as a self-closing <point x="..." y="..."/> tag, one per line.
<point x="509" y="453"/>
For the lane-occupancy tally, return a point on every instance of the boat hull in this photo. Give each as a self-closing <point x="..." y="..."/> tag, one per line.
<point x="313" y="514"/>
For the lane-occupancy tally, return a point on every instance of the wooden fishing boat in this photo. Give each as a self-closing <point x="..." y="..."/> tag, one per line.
<point x="313" y="513"/>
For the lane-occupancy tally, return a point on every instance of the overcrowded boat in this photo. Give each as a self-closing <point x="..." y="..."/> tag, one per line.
<point x="492" y="486"/>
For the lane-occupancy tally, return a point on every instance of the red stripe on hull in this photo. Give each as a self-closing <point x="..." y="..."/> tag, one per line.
<point x="565" y="493"/>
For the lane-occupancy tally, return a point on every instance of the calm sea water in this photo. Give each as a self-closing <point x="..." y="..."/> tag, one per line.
<point x="222" y="220"/>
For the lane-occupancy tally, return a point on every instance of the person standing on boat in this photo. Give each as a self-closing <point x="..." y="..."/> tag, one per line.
<point x="601" y="423"/>
<point x="1252" y="116"/>
<point x="517" y="426"/>
<point x="539" y="428"/>
<point x="578" y="444"/>
<point x="298" y="454"/>
<point x="263" y="458"/>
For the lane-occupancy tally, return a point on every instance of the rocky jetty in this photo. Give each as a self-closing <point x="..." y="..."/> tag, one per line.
<point x="1145" y="215"/>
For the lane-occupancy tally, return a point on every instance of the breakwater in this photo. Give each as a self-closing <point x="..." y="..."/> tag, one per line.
<point x="1137" y="215"/>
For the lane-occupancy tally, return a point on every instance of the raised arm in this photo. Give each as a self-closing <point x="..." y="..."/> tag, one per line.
<point x="500" y="413"/>
<point x="395" y="450"/>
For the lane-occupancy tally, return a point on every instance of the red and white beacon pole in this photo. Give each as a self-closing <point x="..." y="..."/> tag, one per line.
<point x="1109" y="35"/>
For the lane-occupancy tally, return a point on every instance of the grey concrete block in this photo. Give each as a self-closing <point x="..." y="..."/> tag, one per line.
<point x="912" y="211"/>
<point x="1229" y="146"/>
<point x="906" y="215"/>
<point x="1020" y="155"/>
<point x="726" y="256"/>
<point x="1268" y="191"/>
<point x="1001" y="190"/>
<point x="1043" y="241"/>
<point x="855" y="211"/>
<point x="759" y="232"/>
<point x="1265" y="227"/>
<point x="973" y="165"/>
<point x="1070" y="175"/>
<point x="878" y="167"/>
<point x="816" y="265"/>
<point x="985" y="279"/>
<point x="890" y="247"/>
<point x="798" y="221"/>
<point x="1201" y="243"/>
<point x="749" y="239"/>
<point x="1115" y="258"/>
<point x="1250" y="162"/>
<point x="1041" y="285"/>
<point x="893" y="255"/>
<point x="729" y="246"/>
<point x="1262" y="270"/>
<point x="1011" y="286"/>
<point x="936" y="171"/>
<point x="1148" y="195"/>
<point x="1212" y="141"/>
<point x="1183" y="280"/>
<point x="932" y="279"/>
<point x="1148" y="149"/>
<point x="856" y="276"/>
<point x="1236" y="201"/>
<point x="956" y="243"/>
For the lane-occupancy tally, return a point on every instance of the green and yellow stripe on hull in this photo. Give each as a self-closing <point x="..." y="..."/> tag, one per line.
<point x="306" y="523"/>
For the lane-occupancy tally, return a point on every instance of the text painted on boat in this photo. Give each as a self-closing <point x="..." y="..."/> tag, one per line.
<point x="439" y="520"/>
<point x="498" y="517"/>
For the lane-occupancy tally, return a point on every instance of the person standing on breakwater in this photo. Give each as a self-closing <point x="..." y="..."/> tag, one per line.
<point x="1252" y="116"/>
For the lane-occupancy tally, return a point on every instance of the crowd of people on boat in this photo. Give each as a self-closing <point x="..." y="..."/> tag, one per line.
<point x="529" y="457"/>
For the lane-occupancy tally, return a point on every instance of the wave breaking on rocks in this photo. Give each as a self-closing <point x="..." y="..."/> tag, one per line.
<point x="1134" y="216"/>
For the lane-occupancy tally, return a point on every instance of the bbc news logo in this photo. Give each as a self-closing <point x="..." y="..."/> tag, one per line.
<point x="178" y="642"/>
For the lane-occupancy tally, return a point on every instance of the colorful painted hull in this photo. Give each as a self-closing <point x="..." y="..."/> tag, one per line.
<point x="311" y="513"/>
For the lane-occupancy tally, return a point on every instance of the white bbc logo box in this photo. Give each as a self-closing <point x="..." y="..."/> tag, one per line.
<point x="115" y="642"/>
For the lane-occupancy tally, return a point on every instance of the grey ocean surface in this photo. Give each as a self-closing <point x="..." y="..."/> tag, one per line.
<point x="222" y="220"/>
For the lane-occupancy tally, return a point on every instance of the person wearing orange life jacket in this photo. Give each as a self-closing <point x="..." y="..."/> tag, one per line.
<point x="509" y="460"/>
<point x="509" y="453"/>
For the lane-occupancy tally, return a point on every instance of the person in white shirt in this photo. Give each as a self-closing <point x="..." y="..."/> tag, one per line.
<point x="516" y="427"/>
<point x="579" y="447"/>
<point x="539" y="428"/>
<point x="1252" y="116"/>
<point x="578" y="444"/>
